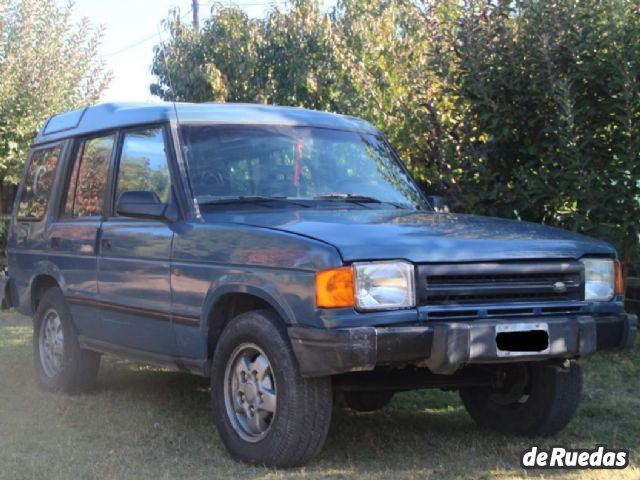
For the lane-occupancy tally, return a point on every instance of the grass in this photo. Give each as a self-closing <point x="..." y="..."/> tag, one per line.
<point x="143" y="422"/>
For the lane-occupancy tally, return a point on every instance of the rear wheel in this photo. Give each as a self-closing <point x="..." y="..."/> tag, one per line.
<point x="368" y="401"/>
<point x="531" y="399"/>
<point x="265" y="411"/>
<point x="61" y="365"/>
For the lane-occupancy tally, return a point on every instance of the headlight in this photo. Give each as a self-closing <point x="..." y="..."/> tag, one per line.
<point x="599" y="279"/>
<point x="384" y="285"/>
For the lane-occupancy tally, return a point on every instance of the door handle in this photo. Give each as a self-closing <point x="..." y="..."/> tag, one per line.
<point x="54" y="242"/>
<point x="106" y="243"/>
<point x="22" y="234"/>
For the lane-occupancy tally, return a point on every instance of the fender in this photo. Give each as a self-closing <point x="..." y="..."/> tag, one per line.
<point x="289" y="292"/>
<point x="42" y="268"/>
<point x="258" y="288"/>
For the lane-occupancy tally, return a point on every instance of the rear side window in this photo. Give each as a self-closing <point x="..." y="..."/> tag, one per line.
<point x="87" y="184"/>
<point x="38" y="182"/>
<point x="143" y="164"/>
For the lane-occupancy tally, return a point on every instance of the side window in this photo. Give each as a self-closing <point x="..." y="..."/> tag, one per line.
<point x="38" y="182"/>
<point x="89" y="177"/>
<point x="143" y="164"/>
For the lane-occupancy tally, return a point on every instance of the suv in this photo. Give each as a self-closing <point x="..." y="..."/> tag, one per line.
<point x="288" y="255"/>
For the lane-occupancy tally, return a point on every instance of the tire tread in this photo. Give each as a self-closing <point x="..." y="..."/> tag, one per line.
<point x="552" y="404"/>
<point x="309" y="415"/>
<point x="81" y="366"/>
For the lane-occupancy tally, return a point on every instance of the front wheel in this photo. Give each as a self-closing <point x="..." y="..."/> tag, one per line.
<point x="266" y="413"/>
<point x="535" y="399"/>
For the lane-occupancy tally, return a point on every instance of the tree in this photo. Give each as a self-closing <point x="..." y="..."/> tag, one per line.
<point x="400" y="77"/>
<point x="180" y="65"/>
<point x="553" y="93"/>
<point x="526" y="109"/>
<point x="298" y="57"/>
<point x="47" y="65"/>
<point x="282" y="59"/>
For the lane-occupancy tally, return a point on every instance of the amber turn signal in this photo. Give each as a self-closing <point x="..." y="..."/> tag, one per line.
<point x="334" y="288"/>
<point x="619" y="282"/>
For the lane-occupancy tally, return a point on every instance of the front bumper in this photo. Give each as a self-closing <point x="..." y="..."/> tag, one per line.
<point x="445" y="347"/>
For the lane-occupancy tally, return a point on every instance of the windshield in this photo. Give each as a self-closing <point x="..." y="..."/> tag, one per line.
<point x="298" y="163"/>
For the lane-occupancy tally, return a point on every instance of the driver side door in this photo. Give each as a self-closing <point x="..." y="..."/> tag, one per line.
<point x="134" y="254"/>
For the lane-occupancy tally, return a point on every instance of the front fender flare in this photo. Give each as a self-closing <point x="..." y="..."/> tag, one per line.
<point x="265" y="292"/>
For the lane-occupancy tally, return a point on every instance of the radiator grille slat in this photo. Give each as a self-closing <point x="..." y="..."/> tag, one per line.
<point x="483" y="283"/>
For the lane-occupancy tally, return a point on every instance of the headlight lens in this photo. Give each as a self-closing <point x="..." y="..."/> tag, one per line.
<point x="384" y="285"/>
<point x="599" y="278"/>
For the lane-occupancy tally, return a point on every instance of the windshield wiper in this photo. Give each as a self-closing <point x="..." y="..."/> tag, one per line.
<point x="355" y="198"/>
<point x="347" y="196"/>
<point x="247" y="199"/>
<point x="343" y="197"/>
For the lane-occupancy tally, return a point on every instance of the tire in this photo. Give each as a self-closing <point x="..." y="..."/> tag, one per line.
<point x="536" y="399"/>
<point x="368" y="401"/>
<point x="252" y="364"/>
<point x="68" y="368"/>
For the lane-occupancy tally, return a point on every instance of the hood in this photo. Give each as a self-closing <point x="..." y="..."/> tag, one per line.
<point x="363" y="234"/>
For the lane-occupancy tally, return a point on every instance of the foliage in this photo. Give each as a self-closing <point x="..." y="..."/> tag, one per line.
<point x="89" y="177"/>
<point x="180" y="66"/>
<point x="235" y="58"/>
<point x="526" y="108"/>
<point x="47" y="65"/>
<point x="553" y="90"/>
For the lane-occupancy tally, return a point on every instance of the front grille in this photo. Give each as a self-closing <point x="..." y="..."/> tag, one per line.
<point x="495" y="283"/>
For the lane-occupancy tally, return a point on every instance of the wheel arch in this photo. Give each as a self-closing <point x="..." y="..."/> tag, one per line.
<point x="229" y="301"/>
<point x="40" y="284"/>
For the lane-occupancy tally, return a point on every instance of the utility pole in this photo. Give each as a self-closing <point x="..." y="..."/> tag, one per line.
<point x="195" y="7"/>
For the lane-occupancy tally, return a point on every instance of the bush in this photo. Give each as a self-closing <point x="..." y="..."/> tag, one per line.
<point x="526" y="109"/>
<point x="553" y="90"/>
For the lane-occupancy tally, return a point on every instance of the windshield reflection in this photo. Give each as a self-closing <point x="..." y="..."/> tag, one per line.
<point x="258" y="163"/>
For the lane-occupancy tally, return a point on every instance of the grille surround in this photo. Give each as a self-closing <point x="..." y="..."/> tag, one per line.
<point x="498" y="283"/>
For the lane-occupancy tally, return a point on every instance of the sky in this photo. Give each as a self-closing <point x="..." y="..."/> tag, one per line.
<point x="133" y="27"/>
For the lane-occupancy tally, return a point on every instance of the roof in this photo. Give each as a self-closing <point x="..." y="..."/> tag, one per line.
<point x="113" y="115"/>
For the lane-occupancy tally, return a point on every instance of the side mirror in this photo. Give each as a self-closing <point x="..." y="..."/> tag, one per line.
<point x="438" y="203"/>
<point x="141" y="204"/>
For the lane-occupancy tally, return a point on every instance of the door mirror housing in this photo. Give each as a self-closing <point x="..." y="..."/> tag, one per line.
<point x="438" y="203"/>
<point x="141" y="204"/>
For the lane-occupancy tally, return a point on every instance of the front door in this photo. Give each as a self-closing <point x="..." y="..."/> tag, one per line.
<point x="134" y="254"/>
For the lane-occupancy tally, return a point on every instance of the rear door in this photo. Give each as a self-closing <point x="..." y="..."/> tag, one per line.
<point x="27" y="241"/>
<point x="72" y="238"/>
<point x="134" y="254"/>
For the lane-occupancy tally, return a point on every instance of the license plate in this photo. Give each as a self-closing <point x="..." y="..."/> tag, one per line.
<point x="525" y="338"/>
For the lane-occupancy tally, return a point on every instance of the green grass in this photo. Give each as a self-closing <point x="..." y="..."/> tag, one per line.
<point x="142" y="422"/>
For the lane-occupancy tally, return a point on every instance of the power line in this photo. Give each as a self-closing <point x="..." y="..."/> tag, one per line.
<point x="240" y="4"/>
<point x="141" y="41"/>
<point x="234" y="3"/>
<point x="128" y="47"/>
